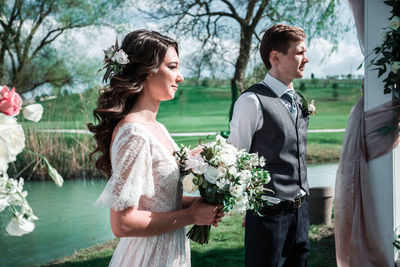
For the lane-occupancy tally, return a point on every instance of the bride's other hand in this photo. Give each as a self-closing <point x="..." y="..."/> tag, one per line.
<point x="206" y="214"/>
<point x="188" y="201"/>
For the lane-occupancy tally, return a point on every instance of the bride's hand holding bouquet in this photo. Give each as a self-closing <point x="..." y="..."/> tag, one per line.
<point x="224" y="176"/>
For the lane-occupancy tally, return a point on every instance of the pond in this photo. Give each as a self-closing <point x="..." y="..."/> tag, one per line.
<point x="68" y="221"/>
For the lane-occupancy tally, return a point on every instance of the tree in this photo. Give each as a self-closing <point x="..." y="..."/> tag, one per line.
<point x="335" y="92"/>
<point x="213" y="21"/>
<point x="257" y="75"/>
<point x="302" y="86"/>
<point x="199" y="62"/>
<point x="27" y="30"/>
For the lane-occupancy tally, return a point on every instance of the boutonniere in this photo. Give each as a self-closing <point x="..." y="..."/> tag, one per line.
<point x="308" y="109"/>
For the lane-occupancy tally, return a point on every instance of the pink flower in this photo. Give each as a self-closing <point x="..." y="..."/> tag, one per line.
<point x="10" y="101"/>
<point x="196" y="150"/>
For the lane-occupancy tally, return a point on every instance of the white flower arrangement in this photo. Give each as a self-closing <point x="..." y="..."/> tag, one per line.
<point x="120" y="57"/>
<point x="387" y="62"/>
<point x="115" y="60"/>
<point x="386" y="55"/>
<point x="311" y="108"/>
<point x="223" y="175"/>
<point x="12" y="142"/>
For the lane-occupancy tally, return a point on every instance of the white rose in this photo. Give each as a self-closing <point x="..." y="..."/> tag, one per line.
<point x="19" y="226"/>
<point x="245" y="177"/>
<point x="4" y="155"/>
<point x="241" y="204"/>
<point x="188" y="185"/>
<point x="228" y="148"/>
<point x="311" y="107"/>
<point x="221" y="171"/>
<point x="220" y="138"/>
<point x="211" y="175"/>
<point x="395" y="66"/>
<point x="232" y="171"/>
<point x="196" y="163"/>
<point x="33" y="112"/>
<point x="121" y="57"/>
<point x="395" y="23"/>
<point x="237" y="190"/>
<point x="228" y="158"/>
<point x="13" y="134"/>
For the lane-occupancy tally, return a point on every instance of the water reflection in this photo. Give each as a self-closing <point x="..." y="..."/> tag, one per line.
<point x="68" y="221"/>
<point x="322" y="175"/>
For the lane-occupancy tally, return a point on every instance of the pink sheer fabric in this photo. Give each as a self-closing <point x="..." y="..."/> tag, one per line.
<point x="356" y="238"/>
<point x="357" y="8"/>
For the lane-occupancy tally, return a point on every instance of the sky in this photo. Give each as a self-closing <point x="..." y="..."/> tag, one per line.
<point x="323" y="62"/>
<point x="344" y="60"/>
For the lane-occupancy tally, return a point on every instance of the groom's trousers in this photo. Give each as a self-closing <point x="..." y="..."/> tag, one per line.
<point x="277" y="238"/>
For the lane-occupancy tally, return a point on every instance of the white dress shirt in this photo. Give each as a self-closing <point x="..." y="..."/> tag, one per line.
<point x="248" y="118"/>
<point x="247" y="114"/>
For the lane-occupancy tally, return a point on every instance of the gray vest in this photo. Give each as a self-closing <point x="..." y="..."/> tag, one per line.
<point x="283" y="143"/>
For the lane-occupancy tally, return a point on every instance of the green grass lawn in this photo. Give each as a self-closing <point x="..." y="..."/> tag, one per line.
<point x="194" y="109"/>
<point x="225" y="248"/>
<point x="197" y="108"/>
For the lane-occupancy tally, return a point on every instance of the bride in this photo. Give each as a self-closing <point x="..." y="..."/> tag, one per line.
<point x="147" y="210"/>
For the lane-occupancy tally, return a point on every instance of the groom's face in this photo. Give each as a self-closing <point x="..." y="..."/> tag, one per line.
<point x="292" y="64"/>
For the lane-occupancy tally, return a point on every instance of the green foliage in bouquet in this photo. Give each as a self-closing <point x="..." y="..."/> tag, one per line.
<point x="223" y="175"/>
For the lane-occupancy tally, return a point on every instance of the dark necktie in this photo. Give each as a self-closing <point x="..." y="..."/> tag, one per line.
<point x="289" y="96"/>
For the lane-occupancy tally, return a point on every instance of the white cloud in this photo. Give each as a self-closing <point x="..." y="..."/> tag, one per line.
<point x="344" y="60"/>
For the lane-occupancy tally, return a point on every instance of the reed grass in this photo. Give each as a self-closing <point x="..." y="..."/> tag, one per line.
<point x="68" y="153"/>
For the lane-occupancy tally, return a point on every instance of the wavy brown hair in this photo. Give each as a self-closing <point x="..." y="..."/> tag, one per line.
<point x="146" y="51"/>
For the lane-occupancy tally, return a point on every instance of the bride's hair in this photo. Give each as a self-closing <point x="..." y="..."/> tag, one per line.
<point x="146" y="51"/>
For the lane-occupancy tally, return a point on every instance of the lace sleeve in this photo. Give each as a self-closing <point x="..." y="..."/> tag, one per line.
<point x="131" y="171"/>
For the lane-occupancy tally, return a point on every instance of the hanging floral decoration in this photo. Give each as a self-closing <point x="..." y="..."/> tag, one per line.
<point x="12" y="142"/>
<point x="388" y="54"/>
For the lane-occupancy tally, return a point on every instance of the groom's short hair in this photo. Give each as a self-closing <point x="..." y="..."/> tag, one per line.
<point x="279" y="37"/>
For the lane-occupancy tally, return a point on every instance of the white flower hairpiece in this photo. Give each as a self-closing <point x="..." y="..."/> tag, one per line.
<point x="115" y="60"/>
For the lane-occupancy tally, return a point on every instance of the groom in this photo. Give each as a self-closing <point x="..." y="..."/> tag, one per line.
<point x="270" y="119"/>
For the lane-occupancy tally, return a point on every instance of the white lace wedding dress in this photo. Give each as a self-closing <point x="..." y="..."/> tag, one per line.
<point x="145" y="175"/>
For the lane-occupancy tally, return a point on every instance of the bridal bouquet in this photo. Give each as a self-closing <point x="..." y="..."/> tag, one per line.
<point x="12" y="142"/>
<point x="223" y="175"/>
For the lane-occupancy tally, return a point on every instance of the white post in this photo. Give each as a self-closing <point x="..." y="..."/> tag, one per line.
<point x="384" y="171"/>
